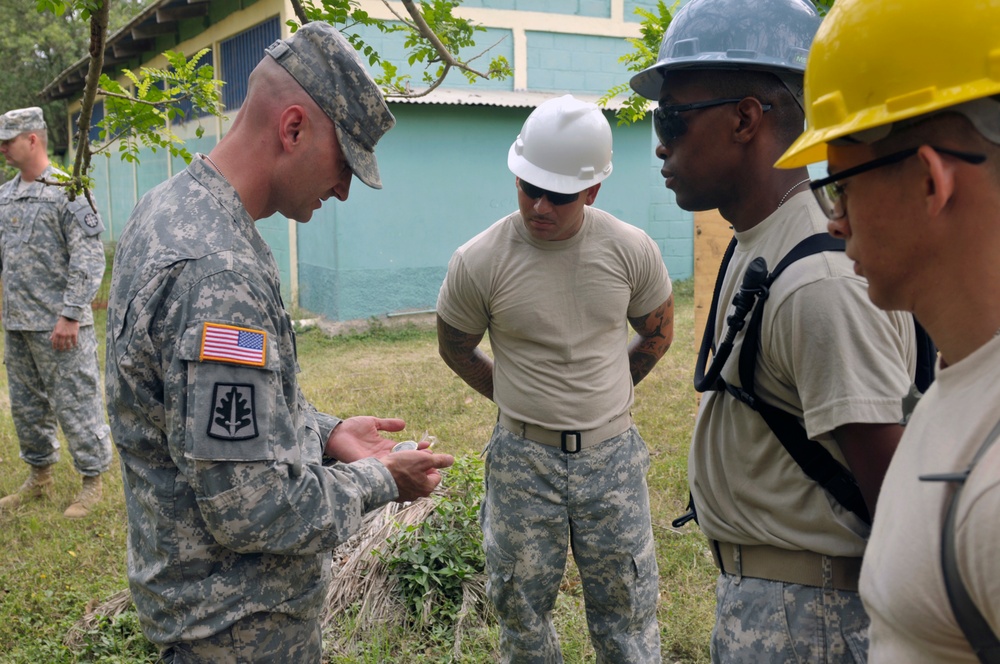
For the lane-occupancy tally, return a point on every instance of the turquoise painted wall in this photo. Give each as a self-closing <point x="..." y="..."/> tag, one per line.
<point x="575" y="63"/>
<point x="445" y="176"/>
<point x="600" y="8"/>
<point x="649" y="5"/>
<point x="390" y="47"/>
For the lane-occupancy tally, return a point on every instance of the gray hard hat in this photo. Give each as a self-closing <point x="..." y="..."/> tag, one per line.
<point x="764" y="35"/>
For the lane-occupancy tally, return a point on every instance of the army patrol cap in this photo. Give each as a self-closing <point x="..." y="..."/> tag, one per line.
<point x="329" y="69"/>
<point x="16" y="122"/>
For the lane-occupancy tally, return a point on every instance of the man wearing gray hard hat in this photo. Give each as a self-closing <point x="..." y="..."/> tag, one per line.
<point x="52" y="262"/>
<point x="795" y="431"/>
<point x="232" y="510"/>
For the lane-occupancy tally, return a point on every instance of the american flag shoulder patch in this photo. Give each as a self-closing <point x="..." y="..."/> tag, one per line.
<point x="236" y="345"/>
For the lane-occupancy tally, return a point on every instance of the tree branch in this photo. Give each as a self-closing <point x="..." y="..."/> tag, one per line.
<point x="433" y="86"/>
<point x="98" y="40"/>
<point x="398" y="16"/>
<point x="300" y="11"/>
<point x="425" y="31"/>
<point x="134" y="100"/>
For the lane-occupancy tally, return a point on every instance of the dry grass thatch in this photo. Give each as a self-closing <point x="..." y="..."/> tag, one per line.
<point x="362" y="584"/>
<point x="117" y="604"/>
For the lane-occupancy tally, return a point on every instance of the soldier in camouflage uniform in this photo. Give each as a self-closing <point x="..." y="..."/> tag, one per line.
<point x="554" y="283"/>
<point x="52" y="263"/>
<point x="232" y="511"/>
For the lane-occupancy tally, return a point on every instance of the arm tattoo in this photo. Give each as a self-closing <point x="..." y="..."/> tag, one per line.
<point x="460" y="351"/>
<point x="654" y="334"/>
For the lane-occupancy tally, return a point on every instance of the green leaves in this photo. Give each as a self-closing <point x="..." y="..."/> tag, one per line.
<point x="644" y="54"/>
<point x="434" y="36"/>
<point x="138" y="116"/>
<point x="823" y="6"/>
<point x="433" y="560"/>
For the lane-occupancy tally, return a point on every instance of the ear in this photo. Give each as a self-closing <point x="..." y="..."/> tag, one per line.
<point x="750" y="114"/>
<point x="592" y="194"/>
<point x="292" y="125"/>
<point x="938" y="179"/>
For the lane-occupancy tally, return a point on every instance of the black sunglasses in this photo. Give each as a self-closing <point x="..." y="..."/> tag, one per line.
<point x="554" y="197"/>
<point x="667" y="119"/>
<point x="830" y="195"/>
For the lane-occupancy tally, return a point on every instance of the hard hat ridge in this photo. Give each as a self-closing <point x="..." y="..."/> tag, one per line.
<point x="881" y="63"/>
<point x="564" y="146"/>
<point x="764" y="35"/>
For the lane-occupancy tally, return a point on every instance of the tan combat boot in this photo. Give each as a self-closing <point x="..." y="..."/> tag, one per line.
<point x="38" y="485"/>
<point x="88" y="497"/>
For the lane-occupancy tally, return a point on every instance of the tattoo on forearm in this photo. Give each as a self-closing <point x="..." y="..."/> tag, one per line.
<point x="655" y="333"/>
<point x="461" y="353"/>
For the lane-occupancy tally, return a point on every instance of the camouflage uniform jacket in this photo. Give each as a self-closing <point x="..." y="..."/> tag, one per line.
<point x="230" y="510"/>
<point x="51" y="256"/>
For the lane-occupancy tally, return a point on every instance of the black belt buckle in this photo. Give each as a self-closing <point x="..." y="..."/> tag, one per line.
<point x="571" y="441"/>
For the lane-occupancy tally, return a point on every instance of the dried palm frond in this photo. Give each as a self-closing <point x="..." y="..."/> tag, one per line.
<point x="359" y="575"/>
<point x="117" y="604"/>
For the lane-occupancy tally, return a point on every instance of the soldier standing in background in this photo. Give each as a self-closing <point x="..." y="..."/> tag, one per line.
<point x="52" y="262"/>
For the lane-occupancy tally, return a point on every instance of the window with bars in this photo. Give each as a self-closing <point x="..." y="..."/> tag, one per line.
<point x="239" y="55"/>
<point x="94" y="135"/>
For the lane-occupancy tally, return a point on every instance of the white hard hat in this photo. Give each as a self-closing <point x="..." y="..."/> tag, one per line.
<point x="564" y="146"/>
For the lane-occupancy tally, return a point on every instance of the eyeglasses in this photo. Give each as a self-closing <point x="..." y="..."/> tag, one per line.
<point x="667" y="119"/>
<point x="830" y="195"/>
<point x="554" y="197"/>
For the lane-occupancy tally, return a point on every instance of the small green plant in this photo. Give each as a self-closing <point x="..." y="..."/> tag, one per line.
<point x="117" y="640"/>
<point x="436" y="559"/>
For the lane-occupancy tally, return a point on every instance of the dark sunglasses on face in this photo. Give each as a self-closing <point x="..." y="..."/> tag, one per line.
<point x="670" y="126"/>
<point x="830" y="194"/>
<point x="554" y="197"/>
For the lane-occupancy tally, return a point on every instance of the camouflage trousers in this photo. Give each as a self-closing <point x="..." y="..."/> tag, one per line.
<point x="260" y="638"/>
<point x="538" y="502"/>
<point x="759" y="621"/>
<point x="51" y="389"/>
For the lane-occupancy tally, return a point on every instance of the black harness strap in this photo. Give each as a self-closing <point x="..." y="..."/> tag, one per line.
<point x="814" y="459"/>
<point x="977" y="631"/>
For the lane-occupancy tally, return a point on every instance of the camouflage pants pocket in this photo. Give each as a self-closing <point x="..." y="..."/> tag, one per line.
<point x="524" y="606"/>
<point x="769" y="621"/>
<point x="500" y="587"/>
<point x="857" y="645"/>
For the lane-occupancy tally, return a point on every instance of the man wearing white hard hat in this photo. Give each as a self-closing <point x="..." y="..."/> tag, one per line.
<point x="554" y="284"/>
<point x="906" y="112"/>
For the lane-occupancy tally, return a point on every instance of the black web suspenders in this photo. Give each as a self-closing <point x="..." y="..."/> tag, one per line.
<point x="814" y="459"/>
<point x="977" y="631"/>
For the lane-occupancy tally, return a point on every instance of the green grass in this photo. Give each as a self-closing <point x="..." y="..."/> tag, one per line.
<point x="51" y="568"/>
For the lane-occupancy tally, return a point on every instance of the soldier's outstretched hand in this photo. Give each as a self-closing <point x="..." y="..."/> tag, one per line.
<point x="416" y="472"/>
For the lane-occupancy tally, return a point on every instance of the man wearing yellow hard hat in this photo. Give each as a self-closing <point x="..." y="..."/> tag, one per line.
<point x="903" y="101"/>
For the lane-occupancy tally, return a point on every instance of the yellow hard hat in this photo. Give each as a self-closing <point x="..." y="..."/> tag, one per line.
<point x="875" y="62"/>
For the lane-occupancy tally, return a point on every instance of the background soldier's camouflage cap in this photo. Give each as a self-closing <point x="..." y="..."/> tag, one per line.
<point x="18" y="121"/>
<point x="329" y="69"/>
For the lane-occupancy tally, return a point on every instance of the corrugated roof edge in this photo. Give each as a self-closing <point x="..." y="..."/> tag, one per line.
<point x="505" y="98"/>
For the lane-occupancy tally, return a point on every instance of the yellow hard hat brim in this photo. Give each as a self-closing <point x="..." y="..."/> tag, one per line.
<point x="804" y="151"/>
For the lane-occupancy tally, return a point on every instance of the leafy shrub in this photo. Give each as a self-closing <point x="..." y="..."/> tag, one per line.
<point x="440" y="562"/>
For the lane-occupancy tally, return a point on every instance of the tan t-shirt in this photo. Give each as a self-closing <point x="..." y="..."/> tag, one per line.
<point x="902" y="585"/>
<point x="556" y="314"/>
<point x="828" y="356"/>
